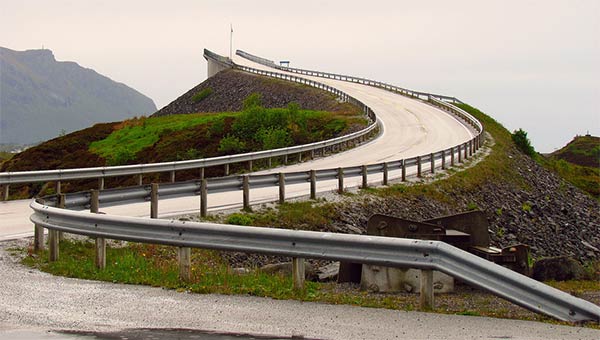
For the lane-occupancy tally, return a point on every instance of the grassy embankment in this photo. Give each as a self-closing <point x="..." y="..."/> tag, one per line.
<point x="157" y="265"/>
<point x="181" y="137"/>
<point x="579" y="163"/>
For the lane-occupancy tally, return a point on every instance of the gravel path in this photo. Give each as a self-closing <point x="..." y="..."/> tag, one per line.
<point x="34" y="300"/>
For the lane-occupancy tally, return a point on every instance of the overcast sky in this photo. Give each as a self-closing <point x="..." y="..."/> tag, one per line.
<point x="529" y="64"/>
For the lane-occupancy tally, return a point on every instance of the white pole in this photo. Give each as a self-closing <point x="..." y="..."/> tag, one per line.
<point x="231" y="42"/>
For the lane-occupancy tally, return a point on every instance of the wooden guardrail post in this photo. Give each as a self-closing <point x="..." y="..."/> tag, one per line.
<point x="38" y="238"/>
<point x="340" y="180"/>
<point x="173" y="176"/>
<point x="403" y="165"/>
<point x="53" y="248"/>
<point x="154" y="200"/>
<point x="269" y="162"/>
<point x="300" y="157"/>
<point x="58" y="187"/>
<point x="250" y="165"/>
<point x="432" y="161"/>
<point x="298" y="273"/>
<point x="227" y="169"/>
<point x="203" y="198"/>
<point x="5" y="192"/>
<point x="385" y="173"/>
<point x="184" y="257"/>
<point x="140" y="179"/>
<point x="246" y="191"/>
<point x="418" y="166"/>
<point x="470" y="148"/>
<point x="443" y="159"/>
<point x="313" y="184"/>
<point x="364" y="173"/>
<point x="201" y="173"/>
<point x="281" y="187"/>
<point x="426" y="292"/>
<point x="100" y="241"/>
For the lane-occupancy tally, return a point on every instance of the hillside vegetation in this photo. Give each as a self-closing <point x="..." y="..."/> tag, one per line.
<point x="579" y="163"/>
<point x="162" y="138"/>
<point x="43" y="98"/>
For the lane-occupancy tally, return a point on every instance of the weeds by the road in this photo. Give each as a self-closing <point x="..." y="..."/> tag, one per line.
<point x="155" y="265"/>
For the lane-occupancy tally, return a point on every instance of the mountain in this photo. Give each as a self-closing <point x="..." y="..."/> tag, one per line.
<point x="41" y="98"/>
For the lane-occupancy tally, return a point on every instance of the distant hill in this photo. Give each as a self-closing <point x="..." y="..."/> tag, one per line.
<point x="579" y="163"/>
<point x="41" y="98"/>
<point x="582" y="150"/>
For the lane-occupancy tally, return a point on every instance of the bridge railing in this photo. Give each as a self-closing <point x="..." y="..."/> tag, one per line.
<point x="352" y="79"/>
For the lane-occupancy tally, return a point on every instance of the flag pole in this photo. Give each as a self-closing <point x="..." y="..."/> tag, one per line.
<point x="231" y="42"/>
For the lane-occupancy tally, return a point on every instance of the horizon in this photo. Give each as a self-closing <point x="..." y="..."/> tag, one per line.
<point x="538" y="62"/>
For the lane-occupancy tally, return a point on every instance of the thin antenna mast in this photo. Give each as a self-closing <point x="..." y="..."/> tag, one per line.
<point x="231" y="43"/>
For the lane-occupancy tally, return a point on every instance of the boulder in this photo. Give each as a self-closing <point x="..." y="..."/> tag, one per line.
<point x="561" y="268"/>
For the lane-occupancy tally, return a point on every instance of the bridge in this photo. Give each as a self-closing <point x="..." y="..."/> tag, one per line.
<point x="409" y="136"/>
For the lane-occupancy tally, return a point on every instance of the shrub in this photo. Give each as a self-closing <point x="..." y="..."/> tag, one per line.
<point x="520" y="139"/>
<point x="231" y="144"/>
<point x="252" y="101"/>
<point x="240" y="219"/>
<point x="274" y="138"/>
<point x="198" y="97"/>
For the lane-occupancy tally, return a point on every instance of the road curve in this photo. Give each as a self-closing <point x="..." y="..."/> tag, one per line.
<point x="410" y="128"/>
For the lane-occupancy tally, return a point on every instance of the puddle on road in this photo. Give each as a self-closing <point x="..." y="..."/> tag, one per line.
<point x="139" y="334"/>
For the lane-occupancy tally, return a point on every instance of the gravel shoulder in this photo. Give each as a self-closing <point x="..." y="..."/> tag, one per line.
<point x="35" y="300"/>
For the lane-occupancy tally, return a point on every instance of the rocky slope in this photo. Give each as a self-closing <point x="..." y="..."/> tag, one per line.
<point x="550" y="215"/>
<point x="229" y="88"/>
<point x="42" y="98"/>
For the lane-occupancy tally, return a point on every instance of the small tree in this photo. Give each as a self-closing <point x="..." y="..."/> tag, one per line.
<point x="520" y="139"/>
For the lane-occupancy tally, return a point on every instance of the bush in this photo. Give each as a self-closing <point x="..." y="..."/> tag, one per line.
<point x="520" y="139"/>
<point x="198" y="97"/>
<point x="240" y="219"/>
<point x="231" y="144"/>
<point x="252" y="101"/>
<point x="274" y="138"/>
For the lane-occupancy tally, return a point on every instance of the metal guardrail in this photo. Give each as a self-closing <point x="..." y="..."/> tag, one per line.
<point x="352" y="79"/>
<point x="141" y="169"/>
<point x="375" y="250"/>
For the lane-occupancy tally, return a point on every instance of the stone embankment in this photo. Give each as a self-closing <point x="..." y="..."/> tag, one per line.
<point x="231" y="87"/>
<point x="550" y="215"/>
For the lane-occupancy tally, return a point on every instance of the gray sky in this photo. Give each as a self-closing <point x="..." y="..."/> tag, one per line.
<point x="529" y="64"/>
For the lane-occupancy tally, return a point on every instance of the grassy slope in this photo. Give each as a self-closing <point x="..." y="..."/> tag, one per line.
<point x="579" y="163"/>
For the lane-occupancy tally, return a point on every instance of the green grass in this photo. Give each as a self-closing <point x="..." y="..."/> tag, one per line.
<point x="154" y="265"/>
<point x="133" y="135"/>
<point x="199" y="96"/>
<point x="584" y="177"/>
<point x="305" y="215"/>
